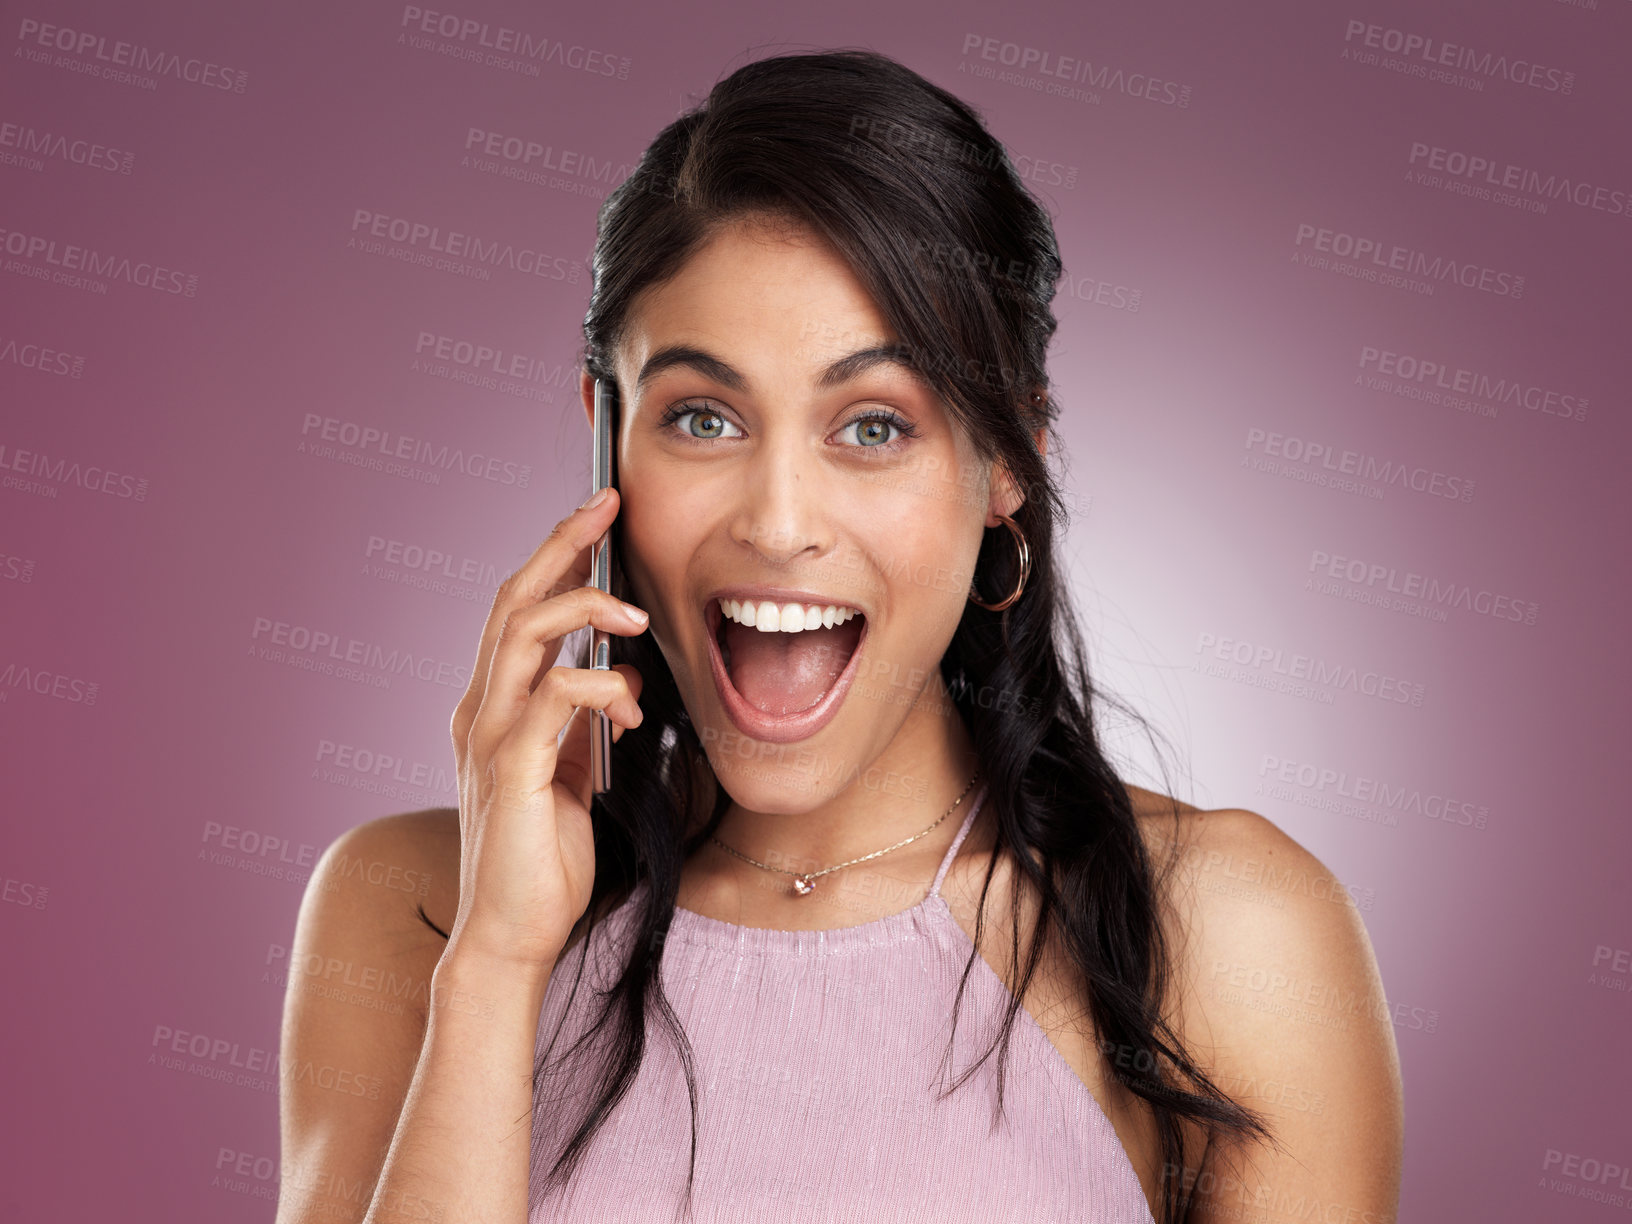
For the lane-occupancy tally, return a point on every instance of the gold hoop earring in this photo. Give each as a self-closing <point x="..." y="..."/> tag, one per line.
<point x="1025" y="569"/>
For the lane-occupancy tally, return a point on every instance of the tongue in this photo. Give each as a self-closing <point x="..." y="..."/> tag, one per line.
<point x="783" y="673"/>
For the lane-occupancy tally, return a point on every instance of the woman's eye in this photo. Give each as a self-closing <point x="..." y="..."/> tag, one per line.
<point x="872" y="431"/>
<point x="704" y="423"/>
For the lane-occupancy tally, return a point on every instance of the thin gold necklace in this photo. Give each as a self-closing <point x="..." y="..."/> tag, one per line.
<point x="805" y="882"/>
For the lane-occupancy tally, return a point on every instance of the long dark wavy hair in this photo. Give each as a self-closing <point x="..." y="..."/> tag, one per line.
<point x="903" y="179"/>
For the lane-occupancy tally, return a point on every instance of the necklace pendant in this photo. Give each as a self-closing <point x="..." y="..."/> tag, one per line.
<point x="801" y="886"/>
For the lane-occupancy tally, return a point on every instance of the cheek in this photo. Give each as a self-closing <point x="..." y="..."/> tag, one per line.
<point x="929" y="565"/>
<point x="659" y="504"/>
<point x="656" y="534"/>
<point x="934" y="527"/>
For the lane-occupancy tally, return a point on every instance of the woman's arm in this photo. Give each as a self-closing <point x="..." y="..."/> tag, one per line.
<point x="1284" y="1007"/>
<point x="435" y="1122"/>
<point x="406" y="1072"/>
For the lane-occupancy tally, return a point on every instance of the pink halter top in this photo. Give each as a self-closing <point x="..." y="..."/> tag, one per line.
<point x="817" y="1057"/>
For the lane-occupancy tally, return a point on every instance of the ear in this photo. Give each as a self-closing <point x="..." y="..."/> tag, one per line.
<point x="586" y="389"/>
<point x="1006" y="496"/>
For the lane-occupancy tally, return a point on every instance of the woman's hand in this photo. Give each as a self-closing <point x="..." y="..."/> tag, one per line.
<point x="527" y="857"/>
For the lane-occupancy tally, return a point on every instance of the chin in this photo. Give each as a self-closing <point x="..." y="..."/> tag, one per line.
<point x="789" y="780"/>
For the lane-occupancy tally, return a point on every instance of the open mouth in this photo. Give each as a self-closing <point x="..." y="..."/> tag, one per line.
<point x="782" y="668"/>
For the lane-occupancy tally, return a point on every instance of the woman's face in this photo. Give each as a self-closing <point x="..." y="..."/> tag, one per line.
<point x="756" y="467"/>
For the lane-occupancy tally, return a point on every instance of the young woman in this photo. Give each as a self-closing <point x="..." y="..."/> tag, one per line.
<point x="867" y="926"/>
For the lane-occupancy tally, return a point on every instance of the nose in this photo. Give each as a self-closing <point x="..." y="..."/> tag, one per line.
<point x="782" y="511"/>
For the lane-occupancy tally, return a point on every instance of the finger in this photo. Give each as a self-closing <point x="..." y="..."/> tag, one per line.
<point x="572" y="762"/>
<point x="636" y="683"/>
<point x="559" y="564"/>
<point x="528" y="757"/>
<point x="527" y="644"/>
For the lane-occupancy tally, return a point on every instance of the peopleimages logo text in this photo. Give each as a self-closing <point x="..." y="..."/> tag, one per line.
<point x="71" y="257"/>
<point x="420" y="235"/>
<point x="1490" y="172"/>
<point x="1098" y="75"/>
<point x="1436" y="590"/>
<point x="1455" y="55"/>
<point x="31" y="142"/>
<point x="1413" y="262"/>
<point x="520" y="43"/>
<point x="131" y="55"/>
<point x="1443" y="376"/>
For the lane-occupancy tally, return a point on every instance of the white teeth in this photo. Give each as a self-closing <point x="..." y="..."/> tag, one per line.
<point x="770" y="617"/>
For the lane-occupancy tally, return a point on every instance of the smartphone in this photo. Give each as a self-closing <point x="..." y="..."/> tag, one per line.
<point x="600" y="576"/>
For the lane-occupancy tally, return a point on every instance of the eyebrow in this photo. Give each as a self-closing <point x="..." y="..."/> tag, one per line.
<point x="711" y="367"/>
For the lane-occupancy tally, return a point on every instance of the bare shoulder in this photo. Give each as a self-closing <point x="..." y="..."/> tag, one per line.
<point x="374" y="882"/>
<point x="1235" y="885"/>
<point x="414" y="855"/>
<point x="358" y="997"/>
<point x="1240" y="897"/>
<point x="1278" y="997"/>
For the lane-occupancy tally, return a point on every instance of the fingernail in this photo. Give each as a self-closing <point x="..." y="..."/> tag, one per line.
<point x="596" y="500"/>
<point x="635" y="613"/>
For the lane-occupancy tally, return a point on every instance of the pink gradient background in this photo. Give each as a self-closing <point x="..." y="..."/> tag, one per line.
<point x="125" y="911"/>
